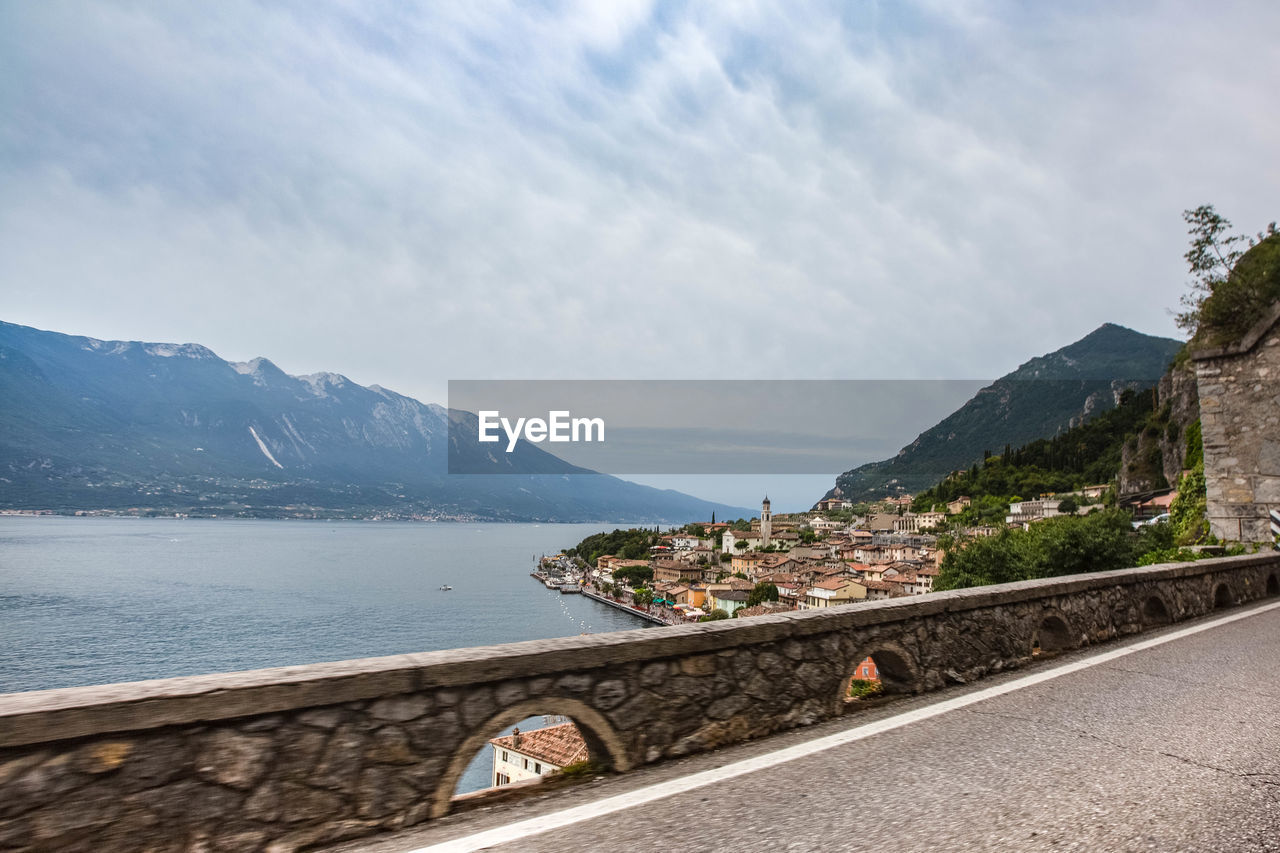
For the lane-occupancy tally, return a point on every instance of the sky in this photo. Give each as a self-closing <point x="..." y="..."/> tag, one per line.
<point x="412" y="193"/>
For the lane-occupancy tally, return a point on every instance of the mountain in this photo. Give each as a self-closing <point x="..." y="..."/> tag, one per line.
<point x="1042" y="397"/>
<point x="123" y="425"/>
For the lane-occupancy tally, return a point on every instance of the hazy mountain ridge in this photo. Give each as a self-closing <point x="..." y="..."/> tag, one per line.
<point x="113" y="425"/>
<point x="1045" y="394"/>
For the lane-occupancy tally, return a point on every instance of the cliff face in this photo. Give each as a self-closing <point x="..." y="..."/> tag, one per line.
<point x="1154" y="458"/>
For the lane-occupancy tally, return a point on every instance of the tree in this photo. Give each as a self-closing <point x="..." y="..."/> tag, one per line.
<point x="1068" y="505"/>
<point x="634" y="575"/>
<point x="1210" y="259"/>
<point x="761" y="593"/>
<point x="1231" y="287"/>
<point x="1097" y="542"/>
<point x="642" y="597"/>
<point x="714" y="616"/>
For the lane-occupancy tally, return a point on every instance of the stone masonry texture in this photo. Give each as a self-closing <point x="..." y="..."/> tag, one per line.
<point x="286" y="758"/>
<point x="1239" y="390"/>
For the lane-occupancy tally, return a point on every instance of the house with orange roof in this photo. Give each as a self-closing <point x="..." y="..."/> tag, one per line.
<point x="521" y="756"/>
<point x="832" y="593"/>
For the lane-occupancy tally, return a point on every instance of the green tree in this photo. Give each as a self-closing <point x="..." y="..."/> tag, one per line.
<point x="634" y="575"/>
<point x="714" y="616"/>
<point x="761" y="593"/>
<point x="1189" y="509"/>
<point x="1068" y="505"/>
<point x="1100" y="541"/>
<point x="642" y="597"/>
<point x="1231" y="287"/>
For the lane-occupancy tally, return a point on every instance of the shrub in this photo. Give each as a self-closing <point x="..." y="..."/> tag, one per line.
<point x="865" y="688"/>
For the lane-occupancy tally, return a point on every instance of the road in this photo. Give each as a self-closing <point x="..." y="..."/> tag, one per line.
<point x="1171" y="747"/>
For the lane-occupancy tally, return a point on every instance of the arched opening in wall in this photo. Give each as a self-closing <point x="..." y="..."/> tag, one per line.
<point x="532" y="750"/>
<point x="1222" y="597"/>
<point x="884" y="673"/>
<point x="1273" y="584"/>
<point x="1154" y="612"/>
<point x="519" y="748"/>
<point x="1052" y="635"/>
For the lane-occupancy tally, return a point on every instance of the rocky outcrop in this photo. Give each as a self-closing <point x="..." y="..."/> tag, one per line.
<point x="1154" y="458"/>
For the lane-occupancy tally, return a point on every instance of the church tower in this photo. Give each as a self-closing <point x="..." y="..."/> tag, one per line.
<point x="766" y="522"/>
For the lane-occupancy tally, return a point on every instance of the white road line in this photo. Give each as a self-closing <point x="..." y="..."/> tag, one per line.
<point x="631" y="799"/>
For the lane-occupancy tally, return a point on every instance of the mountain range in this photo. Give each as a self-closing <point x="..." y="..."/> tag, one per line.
<point x="155" y="427"/>
<point x="1040" y="398"/>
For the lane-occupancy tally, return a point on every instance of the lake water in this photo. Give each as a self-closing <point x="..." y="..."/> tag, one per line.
<point x="98" y="600"/>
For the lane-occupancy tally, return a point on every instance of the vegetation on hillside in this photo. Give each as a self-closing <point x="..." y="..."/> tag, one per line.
<point x="631" y="544"/>
<point x="1100" y="541"/>
<point x="1085" y="455"/>
<point x="1232" y="287"/>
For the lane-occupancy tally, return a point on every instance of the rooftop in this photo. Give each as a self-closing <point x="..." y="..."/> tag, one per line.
<point x="560" y="745"/>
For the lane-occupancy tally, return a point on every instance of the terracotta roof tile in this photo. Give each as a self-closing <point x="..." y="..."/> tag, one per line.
<point x="560" y="745"/>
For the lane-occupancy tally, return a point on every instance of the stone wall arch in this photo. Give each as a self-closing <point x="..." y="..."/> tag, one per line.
<point x="899" y="673"/>
<point x="1053" y="631"/>
<point x="1155" y="611"/>
<point x="1223" y="595"/>
<point x="603" y="742"/>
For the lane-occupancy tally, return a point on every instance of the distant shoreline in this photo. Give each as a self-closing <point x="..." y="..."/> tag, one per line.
<point x="178" y="516"/>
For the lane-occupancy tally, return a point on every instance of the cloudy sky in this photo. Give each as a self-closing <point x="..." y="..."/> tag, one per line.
<point x="409" y="193"/>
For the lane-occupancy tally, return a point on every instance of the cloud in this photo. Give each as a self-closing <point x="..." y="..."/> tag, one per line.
<point x="408" y="194"/>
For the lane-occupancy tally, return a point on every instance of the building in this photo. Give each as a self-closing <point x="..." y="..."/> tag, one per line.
<point x="766" y="522"/>
<point x="741" y="540"/>
<point x="668" y="571"/>
<point x="884" y="589"/>
<point x="521" y="756"/>
<point x="1024" y="512"/>
<point x="832" y="593"/>
<point x="747" y="563"/>
<point x="959" y="504"/>
<point x="883" y="521"/>
<point x="728" y="600"/>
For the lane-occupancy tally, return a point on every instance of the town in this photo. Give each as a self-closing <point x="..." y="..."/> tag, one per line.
<point x="839" y="554"/>
<point x="829" y="557"/>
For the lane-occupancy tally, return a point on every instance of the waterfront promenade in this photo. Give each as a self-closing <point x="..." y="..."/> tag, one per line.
<point x="662" y="616"/>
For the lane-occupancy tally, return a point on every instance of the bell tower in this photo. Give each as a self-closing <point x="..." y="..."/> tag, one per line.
<point x="766" y="522"/>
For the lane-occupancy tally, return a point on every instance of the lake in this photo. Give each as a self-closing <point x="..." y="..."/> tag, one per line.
<point x="98" y="600"/>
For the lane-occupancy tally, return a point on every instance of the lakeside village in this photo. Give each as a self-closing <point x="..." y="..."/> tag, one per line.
<point x="829" y="557"/>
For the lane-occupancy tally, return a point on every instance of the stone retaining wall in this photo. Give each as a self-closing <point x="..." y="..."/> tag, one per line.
<point x="284" y="758"/>
<point x="1240" y="422"/>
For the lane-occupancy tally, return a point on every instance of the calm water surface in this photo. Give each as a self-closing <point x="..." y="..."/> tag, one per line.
<point x="97" y="600"/>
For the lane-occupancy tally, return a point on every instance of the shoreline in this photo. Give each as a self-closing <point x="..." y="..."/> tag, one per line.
<point x="648" y="617"/>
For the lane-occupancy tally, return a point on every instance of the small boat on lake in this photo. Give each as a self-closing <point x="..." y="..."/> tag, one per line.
<point x="444" y="587"/>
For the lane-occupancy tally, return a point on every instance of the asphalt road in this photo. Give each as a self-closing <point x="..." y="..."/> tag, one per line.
<point x="1170" y="748"/>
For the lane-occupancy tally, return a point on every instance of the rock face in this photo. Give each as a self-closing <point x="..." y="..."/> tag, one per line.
<point x="283" y="759"/>
<point x="1239" y="389"/>
<point x="1153" y="459"/>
